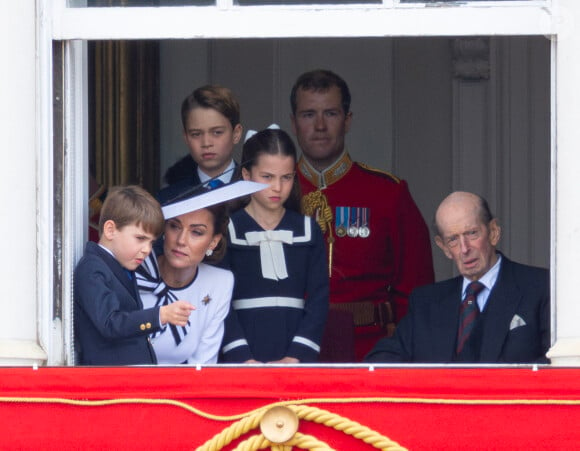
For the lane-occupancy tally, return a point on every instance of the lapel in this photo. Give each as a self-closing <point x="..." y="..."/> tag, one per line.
<point x="501" y="306"/>
<point x="119" y="272"/>
<point x="445" y="315"/>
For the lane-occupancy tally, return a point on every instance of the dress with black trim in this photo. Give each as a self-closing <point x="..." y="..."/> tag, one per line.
<point x="210" y="292"/>
<point x="280" y="299"/>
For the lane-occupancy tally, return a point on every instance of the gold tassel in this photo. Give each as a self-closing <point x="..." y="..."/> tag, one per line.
<point x="315" y="204"/>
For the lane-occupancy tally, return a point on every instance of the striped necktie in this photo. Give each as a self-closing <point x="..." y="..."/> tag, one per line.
<point x="468" y="313"/>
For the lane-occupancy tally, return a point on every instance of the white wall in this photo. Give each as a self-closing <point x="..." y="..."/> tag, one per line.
<point x="566" y="246"/>
<point x="18" y="302"/>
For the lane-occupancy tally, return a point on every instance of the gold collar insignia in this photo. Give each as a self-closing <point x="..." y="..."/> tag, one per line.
<point x="330" y="175"/>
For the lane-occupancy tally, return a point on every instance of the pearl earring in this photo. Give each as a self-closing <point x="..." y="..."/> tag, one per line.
<point x="209" y="252"/>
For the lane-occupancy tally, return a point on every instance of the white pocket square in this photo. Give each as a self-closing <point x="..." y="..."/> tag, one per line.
<point x="517" y="321"/>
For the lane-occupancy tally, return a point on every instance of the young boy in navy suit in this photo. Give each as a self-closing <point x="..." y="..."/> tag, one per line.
<point x="210" y="116"/>
<point x="111" y="326"/>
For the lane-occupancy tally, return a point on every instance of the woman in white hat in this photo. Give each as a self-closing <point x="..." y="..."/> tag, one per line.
<point x="194" y="235"/>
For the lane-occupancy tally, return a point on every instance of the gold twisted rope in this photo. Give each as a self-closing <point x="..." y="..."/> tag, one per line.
<point x="315" y="204"/>
<point x="347" y="426"/>
<point x="373" y="400"/>
<point x="307" y="413"/>
<point x="300" y="440"/>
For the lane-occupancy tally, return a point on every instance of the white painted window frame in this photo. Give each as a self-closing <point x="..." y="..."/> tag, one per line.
<point x="229" y="21"/>
<point x="225" y="20"/>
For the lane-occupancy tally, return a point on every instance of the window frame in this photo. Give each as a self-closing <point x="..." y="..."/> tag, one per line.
<point x="75" y="26"/>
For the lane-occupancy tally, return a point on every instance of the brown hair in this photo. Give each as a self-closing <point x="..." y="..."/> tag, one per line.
<point x="220" y="216"/>
<point x="272" y="142"/>
<point x="215" y="97"/>
<point x="320" y="81"/>
<point x="128" y="205"/>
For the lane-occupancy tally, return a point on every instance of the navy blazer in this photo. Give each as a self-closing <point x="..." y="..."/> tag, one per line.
<point x="183" y="185"/>
<point x="183" y="177"/>
<point x="111" y="327"/>
<point x="517" y="324"/>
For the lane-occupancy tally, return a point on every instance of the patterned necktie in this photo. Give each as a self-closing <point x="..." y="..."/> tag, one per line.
<point x="468" y="314"/>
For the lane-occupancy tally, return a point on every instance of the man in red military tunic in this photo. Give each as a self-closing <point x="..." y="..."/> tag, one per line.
<point x="378" y="243"/>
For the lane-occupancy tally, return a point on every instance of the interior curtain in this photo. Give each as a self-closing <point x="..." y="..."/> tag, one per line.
<point x="124" y="102"/>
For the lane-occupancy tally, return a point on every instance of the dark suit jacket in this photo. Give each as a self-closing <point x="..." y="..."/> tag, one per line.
<point x="428" y="332"/>
<point x="182" y="176"/>
<point x="111" y="327"/>
<point x="182" y="169"/>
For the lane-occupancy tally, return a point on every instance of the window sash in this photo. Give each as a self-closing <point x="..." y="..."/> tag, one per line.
<point x="226" y="20"/>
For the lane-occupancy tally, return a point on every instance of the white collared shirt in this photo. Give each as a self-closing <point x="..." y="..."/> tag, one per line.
<point x="225" y="177"/>
<point x="488" y="280"/>
<point x="107" y="249"/>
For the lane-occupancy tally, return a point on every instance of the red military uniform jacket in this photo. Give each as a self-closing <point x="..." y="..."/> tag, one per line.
<point x="378" y="244"/>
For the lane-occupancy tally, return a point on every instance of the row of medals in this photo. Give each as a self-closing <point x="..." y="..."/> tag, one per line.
<point x="352" y="222"/>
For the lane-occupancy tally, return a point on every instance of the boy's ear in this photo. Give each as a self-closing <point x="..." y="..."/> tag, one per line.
<point x="109" y="229"/>
<point x="245" y="174"/>
<point x="238" y="129"/>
